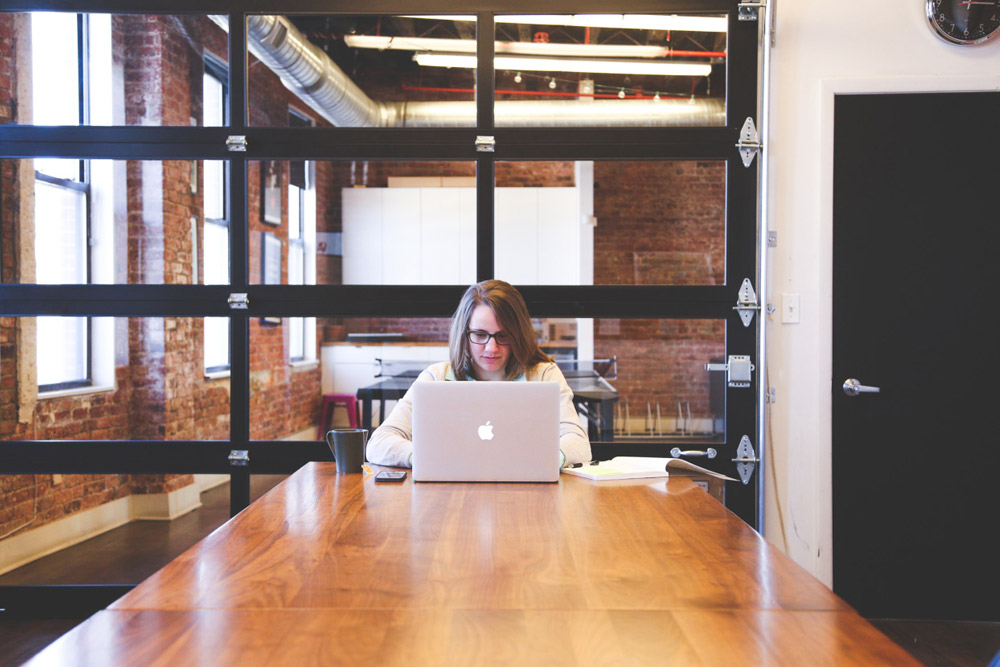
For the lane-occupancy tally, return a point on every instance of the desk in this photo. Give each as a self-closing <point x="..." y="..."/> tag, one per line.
<point x="329" y="568"/>
<point x="590" y="391"/>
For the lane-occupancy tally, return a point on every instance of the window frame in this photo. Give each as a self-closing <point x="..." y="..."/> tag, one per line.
<point x="300" y="245"/>
<point x="218" y="70"/>
<point x="82" y="184"/>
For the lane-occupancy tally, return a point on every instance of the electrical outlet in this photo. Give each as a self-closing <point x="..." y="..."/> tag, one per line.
<point x="790" y="306"/>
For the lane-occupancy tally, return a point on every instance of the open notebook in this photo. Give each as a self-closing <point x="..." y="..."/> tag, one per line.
<point x="635" y="467"/>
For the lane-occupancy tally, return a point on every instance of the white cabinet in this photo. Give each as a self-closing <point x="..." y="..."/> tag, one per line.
<point x="427" y="236"/>
<point x="537" y="236"/>
<point x="362" y="237"/>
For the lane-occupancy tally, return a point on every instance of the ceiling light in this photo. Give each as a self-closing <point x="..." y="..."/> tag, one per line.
<point x="552" y="49"/>
<point x="630" y="21"/>
<point x="566" y="65"/>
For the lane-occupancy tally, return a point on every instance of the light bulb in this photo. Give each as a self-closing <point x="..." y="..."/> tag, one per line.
<point x="621" y="94"/>
<point x="552" y="83"/>
<point x="517" y="78"/>
<point x="656" y="97"/>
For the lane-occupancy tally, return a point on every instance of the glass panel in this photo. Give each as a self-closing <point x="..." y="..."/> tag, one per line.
<point x="108" y="69"/>
<point x="145" y="382"/>
<point x="62" y="350"/>
<point x="111" y="222"/>
<point x="61" y="220"/>
<point x="639" y="378"/>
<point x="285" y="400"/>
<point x="609" y="70"/>
<point x="659" y="374"/>
<point x="611" y="222"/>
<point x="361" y="71"/>
<point x="216" y="344"/>
<point x="365" y="222"/>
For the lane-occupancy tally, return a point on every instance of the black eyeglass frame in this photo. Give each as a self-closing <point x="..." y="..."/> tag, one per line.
<point x="495" y="336"/>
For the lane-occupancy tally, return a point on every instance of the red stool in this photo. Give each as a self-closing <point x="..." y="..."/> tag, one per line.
<point x="330" y="402"/>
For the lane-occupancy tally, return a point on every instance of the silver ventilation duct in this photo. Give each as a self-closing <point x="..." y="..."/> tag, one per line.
<point x="310" y="73"/>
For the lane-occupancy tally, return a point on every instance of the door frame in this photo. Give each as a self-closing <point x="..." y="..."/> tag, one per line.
<point x="822" y="481"/>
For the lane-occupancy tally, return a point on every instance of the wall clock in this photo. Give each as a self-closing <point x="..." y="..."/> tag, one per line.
<point x="964" y="22"/>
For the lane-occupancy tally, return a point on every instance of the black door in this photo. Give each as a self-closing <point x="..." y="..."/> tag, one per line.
<point x="916" y="233"/>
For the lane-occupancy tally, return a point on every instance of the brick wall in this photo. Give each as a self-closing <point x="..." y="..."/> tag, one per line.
<point x="660" y="223"/>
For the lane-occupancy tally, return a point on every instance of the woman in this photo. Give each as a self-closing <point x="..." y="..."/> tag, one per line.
<point x="490" y="339"/>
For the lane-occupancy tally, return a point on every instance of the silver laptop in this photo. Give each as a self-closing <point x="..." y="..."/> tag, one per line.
<point x="485" y="431"/>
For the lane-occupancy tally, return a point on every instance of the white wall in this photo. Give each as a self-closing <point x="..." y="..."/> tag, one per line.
<point x="822" y="47"/>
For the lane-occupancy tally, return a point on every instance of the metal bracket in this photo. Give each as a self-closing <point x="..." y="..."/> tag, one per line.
<point x="239" y="301"/>
<point x="677" y="453"/>
<point x="746" y="459"/>
<point x="749" y="11"/>
<point x="746" y="302"/>
<point x="738" y="368"/>
<point x="485" y="144"/>
<point x="749" y="142"/>
<point x="239" y="457"/>
<point x="236" y="143"/>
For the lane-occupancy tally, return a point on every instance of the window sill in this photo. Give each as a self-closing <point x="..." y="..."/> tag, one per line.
<point x="217" y="375"/>
<point x="75" y="391"/>
<point x="304" y="364"/>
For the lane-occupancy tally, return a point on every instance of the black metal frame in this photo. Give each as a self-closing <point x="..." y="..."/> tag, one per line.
<point x="209" y="143"/>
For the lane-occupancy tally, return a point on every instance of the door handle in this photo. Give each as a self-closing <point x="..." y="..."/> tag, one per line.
<point x="677" y="453"/>
<point x="852" y="388"/>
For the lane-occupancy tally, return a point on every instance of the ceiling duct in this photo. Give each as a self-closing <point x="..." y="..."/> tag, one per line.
<point x="310" y="73"/>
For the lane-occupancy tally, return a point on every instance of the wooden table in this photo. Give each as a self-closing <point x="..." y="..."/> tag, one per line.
<point x="336" y="569"/>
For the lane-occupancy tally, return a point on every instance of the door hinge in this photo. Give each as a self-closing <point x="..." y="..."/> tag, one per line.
<point x="746" y="459"/>
<point x="749" y="11"/>
<point x="746" y="302"/>
<point x="749" y="142"/>
<point x="236" y="143"/>
<point x="485" y="144"/>
<point x="738" y="370"/>
<point x="238" y="301"/>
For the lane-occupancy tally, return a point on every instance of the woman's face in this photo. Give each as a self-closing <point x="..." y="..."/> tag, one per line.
<point x="490" y="358"/>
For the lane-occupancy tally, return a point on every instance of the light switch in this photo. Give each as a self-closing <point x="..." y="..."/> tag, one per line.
<point x="790" y="305"/>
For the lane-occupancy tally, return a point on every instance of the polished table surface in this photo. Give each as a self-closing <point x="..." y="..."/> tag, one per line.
<point x="331" y="568"/>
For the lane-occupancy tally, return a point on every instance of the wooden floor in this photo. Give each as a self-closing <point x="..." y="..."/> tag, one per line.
<point x="131" y="553"/>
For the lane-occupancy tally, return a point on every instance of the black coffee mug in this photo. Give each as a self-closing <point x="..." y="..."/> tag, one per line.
<point x="348" y="448"/>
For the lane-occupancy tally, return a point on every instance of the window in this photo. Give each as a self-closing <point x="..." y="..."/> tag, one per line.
<point x="71" y="55"/>
<point x="215" y="244"/>
<point x="301" y="246"/>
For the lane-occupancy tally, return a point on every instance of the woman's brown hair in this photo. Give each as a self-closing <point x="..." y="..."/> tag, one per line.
<point x="512" y="315"/>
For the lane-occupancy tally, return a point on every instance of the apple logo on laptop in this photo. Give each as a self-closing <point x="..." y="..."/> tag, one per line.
<point x="486" y="431"/>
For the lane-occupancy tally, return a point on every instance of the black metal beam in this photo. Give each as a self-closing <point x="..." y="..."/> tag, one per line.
<point x="357" y="300"/>
<point x="335" y="143"/>
<point x="136" y="457"/>
<point x="375" y="7"/>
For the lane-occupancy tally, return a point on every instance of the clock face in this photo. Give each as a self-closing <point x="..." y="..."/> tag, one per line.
<point x="964" y="21"/>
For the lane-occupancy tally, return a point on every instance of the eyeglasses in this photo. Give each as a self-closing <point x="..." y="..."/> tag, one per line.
<point x="482" y="337"/>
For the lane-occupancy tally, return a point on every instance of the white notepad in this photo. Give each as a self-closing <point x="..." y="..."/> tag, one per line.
<point x="637" y="467"/>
